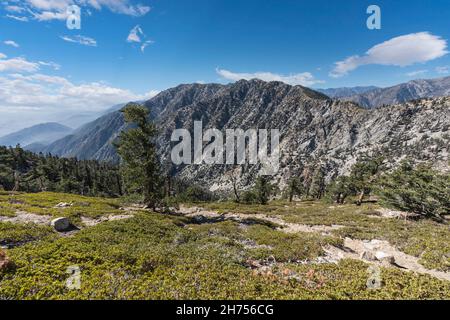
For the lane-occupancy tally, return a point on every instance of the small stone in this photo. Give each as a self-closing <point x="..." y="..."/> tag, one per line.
<point x="60" y="224"/>
<point x="368" y="255"/>
<point x="63" y="205"/>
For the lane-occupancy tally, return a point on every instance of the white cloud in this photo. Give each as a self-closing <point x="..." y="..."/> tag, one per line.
<point x="50" y="64"/>
<point x="416" y="73"/>
<point x="29" y="99"/>
<point x="400" y="51"/>
<point x="50" y="15"/>
<point x="45" y="10"/>
<point x="11" y="43"/>
<point x="120" y="6"/>
<point x="60" y="5"/>
<point x="22" y="19"/>
<point x="304" y="79"/>
<point x="135" y="34"/>
<point x="443" y="70"/>
<point x="46" y="93"/>
<point x="14" y="8"/>
<point x="150" y="94"/>
<point x="28" y="96"/>
<point x="17" y="65"/>
<point x="146" y="44"/>
<point x="86" y="41"/>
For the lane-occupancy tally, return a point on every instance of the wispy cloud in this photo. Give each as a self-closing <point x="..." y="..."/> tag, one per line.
<point x="50" y="15"/>
<point x="137" y="35"/>
<point x="304" y="79"/>
<point x="45" y="10"/>
<point x="86" y="41"/>
<point x="14" y="8"/>
<point x="50" y="64"/>
<point x="416" y="73"/>
<point x="146" y="44"/>
<point x="11" y="43"/>
<point x="400" y="51"/>
<point x="443" y="69"/>
<point x="22" y="19"/>
<point x="18" y="64"/>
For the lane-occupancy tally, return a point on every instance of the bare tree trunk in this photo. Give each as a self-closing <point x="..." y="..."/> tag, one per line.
<point x="360" y="199"/>
<point x="236" y="192"/>
<point x="16" y="181"/>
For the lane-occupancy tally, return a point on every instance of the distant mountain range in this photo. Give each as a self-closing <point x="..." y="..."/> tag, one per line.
<point x="316" y="131"/>
<point x="39" y="135"/>
<point x="404" y="92"/>
<point x="337" y="93"/>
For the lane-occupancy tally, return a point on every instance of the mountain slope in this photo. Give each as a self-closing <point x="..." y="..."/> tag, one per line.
<point x="316" y="132"/>
<point x="412" y="90"/>
<point x="93" y="140"/>
<point x="336" y="93"/>
<point x="44" y="133"/>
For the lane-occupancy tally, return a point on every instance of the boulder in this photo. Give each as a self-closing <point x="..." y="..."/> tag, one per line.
<point x="60" y="224"/>
<point x="384" y="257"/>
<point x="368" y="255"/>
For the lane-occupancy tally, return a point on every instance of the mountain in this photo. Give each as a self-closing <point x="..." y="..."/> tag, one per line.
<point x="78" y="120"/>
<point x="317" y="133"/>
<point x="35" y="147"/>
<point x="336" y="93"/>
<point x="93" y="140"/>
<point x="43" y="134"/>
<point x="412" y="90"/>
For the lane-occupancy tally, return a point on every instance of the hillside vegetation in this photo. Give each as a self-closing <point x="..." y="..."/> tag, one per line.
<point x="151" y="255"/>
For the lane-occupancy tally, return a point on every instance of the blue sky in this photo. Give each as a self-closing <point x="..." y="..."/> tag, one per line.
<point x="188" y="41"/>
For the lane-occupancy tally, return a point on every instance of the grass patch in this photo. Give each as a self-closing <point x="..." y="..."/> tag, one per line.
<point x="44" y="204"/>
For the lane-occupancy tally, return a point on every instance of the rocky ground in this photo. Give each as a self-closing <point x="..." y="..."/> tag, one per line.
<point x="376" y="252"/>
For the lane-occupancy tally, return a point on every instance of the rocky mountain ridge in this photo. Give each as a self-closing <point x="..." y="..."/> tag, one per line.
<point x="415" y="89"/>
<point x="317" y="133"/>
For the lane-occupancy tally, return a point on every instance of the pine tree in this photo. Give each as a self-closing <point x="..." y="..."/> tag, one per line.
<point x="318" y="183"/>
<point x="136" y="147"/>
<point x="420" y="190"/>
<point x="364" y="174"/>
<point x="263" y="189"/>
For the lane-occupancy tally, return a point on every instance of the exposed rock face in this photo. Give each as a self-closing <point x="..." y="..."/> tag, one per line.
<point x="316" y="132"/>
